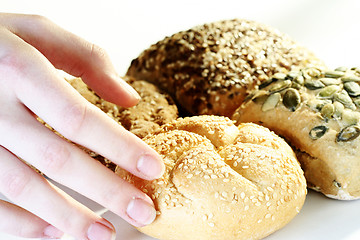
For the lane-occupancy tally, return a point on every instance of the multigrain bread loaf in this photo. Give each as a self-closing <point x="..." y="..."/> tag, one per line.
<point x="318" y="113"/>
<point x="221" y="181"/>
<point x="209" y="69"/>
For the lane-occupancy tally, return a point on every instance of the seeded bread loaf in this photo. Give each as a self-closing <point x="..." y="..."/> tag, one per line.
<point x="221" y="181"/>
<point x="318" y="113"/>
<point x="209" y="68"/>
<point x="153" y="110"/>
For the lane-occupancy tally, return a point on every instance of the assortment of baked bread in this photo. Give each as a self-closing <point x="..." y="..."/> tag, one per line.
<point x="226" y="176"/>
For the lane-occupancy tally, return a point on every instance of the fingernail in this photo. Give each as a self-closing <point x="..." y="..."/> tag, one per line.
<point x="131" y="91"/>
<point x="141" y="211"/>
<point x="52" y="232"/>
<point x="150" y="166"/>
<point x="98" y="231"/>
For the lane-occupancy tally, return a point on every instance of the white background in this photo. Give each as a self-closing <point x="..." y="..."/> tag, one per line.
<point x="330" y="28"/>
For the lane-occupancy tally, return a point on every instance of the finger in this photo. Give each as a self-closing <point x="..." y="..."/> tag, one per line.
<point x="66" y="164"/>
<point x="31" y="191"/>
<point x="74" y="55"/>
<point x="22" y="223"/>
<point x="37" y="84"/>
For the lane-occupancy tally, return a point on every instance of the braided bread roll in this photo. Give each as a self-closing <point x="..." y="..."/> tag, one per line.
<point x="209" y="69"/>
<point x="221" y="181"/>
<point x="318" y="113"/>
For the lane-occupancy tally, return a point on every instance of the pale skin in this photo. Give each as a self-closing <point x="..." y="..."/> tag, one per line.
<point x="31" y="49"/>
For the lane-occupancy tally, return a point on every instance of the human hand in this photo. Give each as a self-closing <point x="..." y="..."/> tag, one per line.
<point x="31" y="48"/>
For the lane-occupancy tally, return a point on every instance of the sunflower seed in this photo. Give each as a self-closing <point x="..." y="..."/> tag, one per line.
<point x="291" y="99"/>
<point x="318" y="131"/>
<point x="271" y="102"/>
<point x="348" y="133"/>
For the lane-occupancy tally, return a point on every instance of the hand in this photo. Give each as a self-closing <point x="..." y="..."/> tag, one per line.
<point x="31" y="48"/>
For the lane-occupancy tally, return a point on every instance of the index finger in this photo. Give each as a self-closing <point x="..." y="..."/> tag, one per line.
<point x="72" y="54"/>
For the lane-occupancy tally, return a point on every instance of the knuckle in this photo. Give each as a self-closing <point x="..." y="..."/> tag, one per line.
<point x="97" y="52"/>
<point x="15" y="183"/>
<point x="73" y="120"/>
<point x="54" y="156"/>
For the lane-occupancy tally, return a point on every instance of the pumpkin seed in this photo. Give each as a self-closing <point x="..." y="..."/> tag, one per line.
<point x="350" y="78"/>
<point x="296" y="85"/>
<point x="291" y="99"/>
<point x="337" y="184"/>
<point x="327" y="110"/>
<point x="271" y="102"/>
<point x="350" y="117"/>
<point x="329" y="91"/>
<point x="279" y="76"/>
<point x="318" y="131"/>
<point x="292" y="75"/>
<point x="348" y="133"/>
<point x="352" y="88"/>
<point x="341" y="69"/>
<point x="277" y="87"/>
<point x="344" y="98"/>
<point x="357" y="102"/>
<point x="267" y="83"/>
<point x="356" y="69"/>
<point x="317" y="104"/>
<point x="330" y="81"/>
<point x="311" y="72"/>
<point x="339" y="108"/>
<point x="334" y="74"/>
<point x="299" y="79"/>
<point x="313" y="84"/>
<point x="260" y="96"/>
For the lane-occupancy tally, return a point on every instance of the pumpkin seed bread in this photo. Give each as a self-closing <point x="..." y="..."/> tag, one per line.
<point x="209" y="69"/>
<point x="221" y="181"/>
<point x="153" y="110"/>
<point x="318" y="113"/>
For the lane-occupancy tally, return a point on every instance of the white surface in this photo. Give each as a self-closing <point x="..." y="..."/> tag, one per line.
<point x="125" y="28"/>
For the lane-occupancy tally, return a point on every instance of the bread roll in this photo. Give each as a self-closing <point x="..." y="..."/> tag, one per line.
<point x="208" y="69"/>
<point x="221" y="181"/>
<point x="153" y="110"/>
<point x="318" y="113"/>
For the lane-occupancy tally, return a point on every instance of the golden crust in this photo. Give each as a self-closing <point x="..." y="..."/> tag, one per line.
<point x="209" y="69"/>
<point x="221" y="181"/>
<point x="153" y="110"/>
